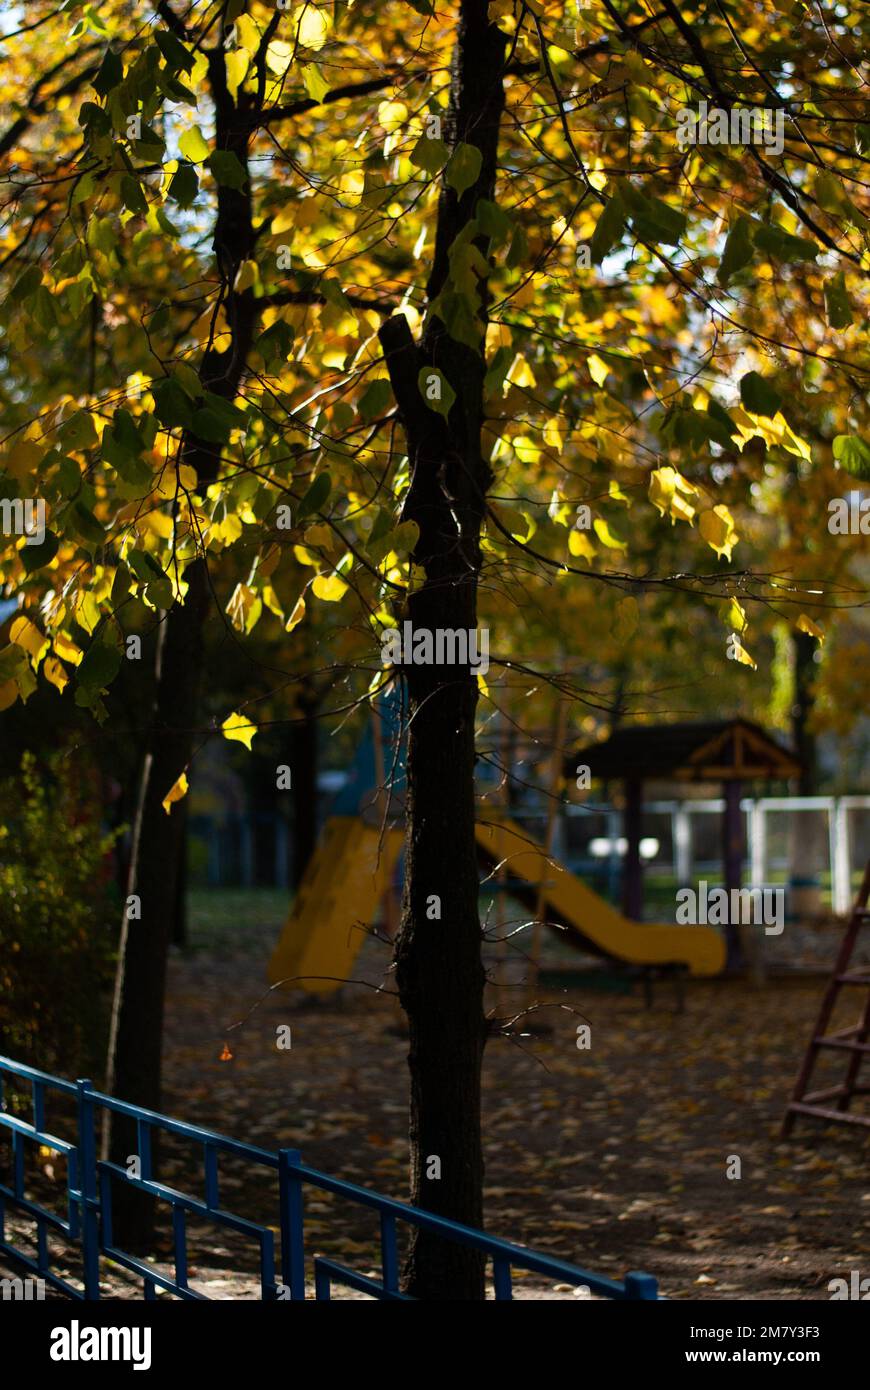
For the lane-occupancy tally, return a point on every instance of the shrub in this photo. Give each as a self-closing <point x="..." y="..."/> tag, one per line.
<point x="58" y="922"/>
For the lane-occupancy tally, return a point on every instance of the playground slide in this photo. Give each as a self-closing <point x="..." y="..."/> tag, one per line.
<point x="345" y="881"/>
<point x="351" y="871"/>
<point x="589" y="922"/>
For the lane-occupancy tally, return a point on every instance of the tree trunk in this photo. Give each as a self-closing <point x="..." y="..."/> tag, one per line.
<point x="134" y="1071"/>
<point x="439" y="971"/>
<point x="303" y="765"/>
<point x="134" y="1064"/>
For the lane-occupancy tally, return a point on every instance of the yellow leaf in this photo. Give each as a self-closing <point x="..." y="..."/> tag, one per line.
<point x="193" y="146"/>
<point x="284" y="220"/>
<point x="329" y="587"/>
<point x="805" y="624"/>
<point x="238" y="729"/>
<point x="717" y="528"/>
<point x="668" y="491"/>
<point x="296" y="616"/>
<point x="279" y="56"/>
<point x="56" y="673"/>
<point x="392" y="114"/>
<point x="519" y="373"/>
<point x="272" y="601"/>
<point x="606" y="536"/>
<point x="598" y="370"/>
<point x="246" y="276"/>
<point x="244" y="608"/>
<point x="22" y="458"/>
<point x="304" y="555"/>
<point x="8" y="694"/>
<point x="352" y="185"/>
<point x="553" y="436"/>
<point x="176" y="792"/>
<point x="617" y="493"/>
<point x="24" y="634"/>
<point x="66" y="648"/>
<point x="313" y="28"/>
<point x="735" y="617"/>
<point x="580" y="545"/>
<point x="482" y="685"/>
<point x="737" y="652"/>
<point x="237" y="61"/>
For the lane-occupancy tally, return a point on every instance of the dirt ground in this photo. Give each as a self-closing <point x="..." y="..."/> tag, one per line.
<point x="614" y="1158"/>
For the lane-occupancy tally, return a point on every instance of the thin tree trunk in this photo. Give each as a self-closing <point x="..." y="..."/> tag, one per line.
<point x="134" y="1064"/>
<point x="439" y="971"/>
<point x="303" y="765"/>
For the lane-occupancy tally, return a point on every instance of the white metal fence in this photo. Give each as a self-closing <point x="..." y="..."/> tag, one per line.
<point x="842" y="836"/>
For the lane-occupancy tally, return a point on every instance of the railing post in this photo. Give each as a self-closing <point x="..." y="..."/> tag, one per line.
<point x="389" y="1253"/>
<point x="87" y="1147"/>
<point x="641" y="1286"/>
<point x="292" y="1231"/>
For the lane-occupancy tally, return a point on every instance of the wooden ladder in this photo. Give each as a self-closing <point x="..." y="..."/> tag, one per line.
<point x="853" y="1041"/>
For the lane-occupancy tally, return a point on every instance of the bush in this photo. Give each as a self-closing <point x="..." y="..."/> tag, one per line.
<point x="58" y="920"/>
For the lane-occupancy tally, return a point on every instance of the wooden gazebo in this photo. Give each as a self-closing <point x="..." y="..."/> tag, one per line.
<point x="730" y="751"/>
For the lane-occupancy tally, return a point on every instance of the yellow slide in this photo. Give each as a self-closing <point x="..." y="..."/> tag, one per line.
<point x="346" y="879"/>
<point x="590" y="922"/>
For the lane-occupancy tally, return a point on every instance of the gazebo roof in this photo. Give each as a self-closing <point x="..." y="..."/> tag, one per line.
<point x="721" y="750"/>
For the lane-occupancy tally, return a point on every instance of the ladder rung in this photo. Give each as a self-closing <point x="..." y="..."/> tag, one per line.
<point x="841" y="1116"/>
<point x="845" y="1040"/>
<point x="813" y="1097"/>
<point x="852" y="979"/>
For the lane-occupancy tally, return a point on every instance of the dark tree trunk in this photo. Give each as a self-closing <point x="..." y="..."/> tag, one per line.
<point x="804" y="668"/>
<point x="155" y="863"/>
<point x="134" y="1065"/>
<point x="303" y="766"/>
<point x="440" y="976"/>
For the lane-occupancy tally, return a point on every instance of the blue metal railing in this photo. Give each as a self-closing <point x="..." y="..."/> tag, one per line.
<point x="88" y="1219"/>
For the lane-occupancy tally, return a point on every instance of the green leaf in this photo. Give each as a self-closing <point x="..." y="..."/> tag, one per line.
<point x="464" y="167"/>
<point x="837" y="305"/>
<point x="171" y="403"/>
<point x="609" y="229"/>
<point x="184" y="185"/>
<point x="87" y="525"/>
<point x="316" y="84"/>
<point x="758" y="396"/>
<point x="493" y="221"/>
<point x="99" y="666"/>
<point x="436" y="390"/>
<point x="34" y="557"/>
<point x="652" y="219"/>
<point x="375" y="399"/>
<point x="110" y="74"/>
<point x="315" y="496"/>
<point x="26" y="284"/>
<point x="132" y="195"/>
<point x="429" y="154"/>
<point x="178" y="58"/>
<point x="226" y="168"/>
<point x="853" y="454"/>
<point x="783" y="246"/>
<point x="738" y="250"/>
<point x="209" y="426"/>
